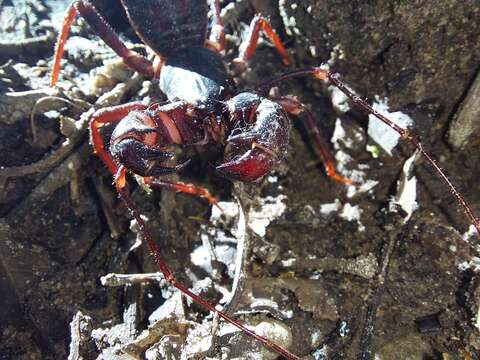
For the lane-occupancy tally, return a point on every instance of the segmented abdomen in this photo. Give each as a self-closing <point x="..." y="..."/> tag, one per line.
<point x="169" y="25"/>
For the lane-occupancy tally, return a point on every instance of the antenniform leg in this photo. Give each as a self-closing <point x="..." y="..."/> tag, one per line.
<point x="102" y="29"/>
<point x="405" y="134"/>
<point x="295" y="107"/>
<point x="136" y="131"/>
<point x="247" y="49"/>
<point x="259" y="139"/>
<point x="120" y="179"/>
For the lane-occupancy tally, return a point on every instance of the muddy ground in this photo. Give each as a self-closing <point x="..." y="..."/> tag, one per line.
<point x="355" y="282"/>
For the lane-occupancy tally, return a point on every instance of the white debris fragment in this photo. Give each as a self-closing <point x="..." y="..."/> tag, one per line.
<point x="471" y="232"/>
<point x="263" y="302"/>
<point x="221" y="241"/>
<point x="272" y="179"/>
<point x="289" y="262"/>
<point x="293" y="22"/>
<point x="477" y="320"/>
<point x="268" y="306"/>
<point x="473" y="264"/>
<point x="406" y="196"/>
<point x="337" y="53"/>
<point x="225" y="253"/>
<point x="230" y="210"/>
<point x="343" y="329"/>
<point x="199" y="341"/>
<point x="172" y="308"/>
<point x="339" y="135"/>
<point x="343" y="161"/>
<point x="365" y="187"/>
<point x="315" y="338"/>
<point x="352" y="213"/>
<point x="271" y="329"/>
<point x="339" y="99"/>
<point x="321" y="354"/>
<point x="270" y="208"/>
<point x="329" y="208"/>
<point x="289" y="21"/>
<point x="381" y="133"/>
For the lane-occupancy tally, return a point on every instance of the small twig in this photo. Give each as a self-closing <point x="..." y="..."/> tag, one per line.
<point x="116" y="280"/>
<point x="366" y="340"/>
<point x="15" y="106"/>
<point x="52" y="160"/>
<point x="405" y="197"/>
<point x="113" y="97"/>
<point x="207" y="242"/>
<point x="465" y="123"/>
<point x="27" y="46"/>
<point x="80" y="331"/>
<point x="106" y="201"/>
<point x="132" y="310"/>
<point x="61" y="175"/>
<point x="7" y="64"/>
<point x="42" y="101"/>
<point x="244" y="249"/>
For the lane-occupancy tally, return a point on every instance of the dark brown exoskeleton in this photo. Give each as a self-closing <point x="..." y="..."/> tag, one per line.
<point x="202" y="109"/>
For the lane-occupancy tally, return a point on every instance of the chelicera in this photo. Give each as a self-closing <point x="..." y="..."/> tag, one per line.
<point x="202" y="108"/>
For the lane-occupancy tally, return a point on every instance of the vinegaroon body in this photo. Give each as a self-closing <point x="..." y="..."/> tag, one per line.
<point x="202" y="108"/>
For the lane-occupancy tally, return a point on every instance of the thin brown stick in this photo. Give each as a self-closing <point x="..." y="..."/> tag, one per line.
<point x="32" y="45"/>
<point x="155" y="251"/>
<point x="411" y="138"/>
<point x="116" y="280"/>
<point x="244" y="249"/>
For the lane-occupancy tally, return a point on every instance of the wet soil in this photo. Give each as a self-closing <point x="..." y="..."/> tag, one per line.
<point x="62" y="226"/>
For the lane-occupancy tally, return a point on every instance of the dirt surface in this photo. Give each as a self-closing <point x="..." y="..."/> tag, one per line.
<point x="334" y="275"/>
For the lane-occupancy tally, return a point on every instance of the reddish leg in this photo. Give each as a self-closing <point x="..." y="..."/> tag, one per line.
<point x="405" y="134"/>
<point x="115" y="114"/>
<point x="167" y="273"/>
<point x="216" y="40"/>
<point x="259" y="23"/>
<point x="102" y="29"/>
<point x="184" y="188"/>
<point x="106" y="116"/>
<point x="295" y="107"/>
